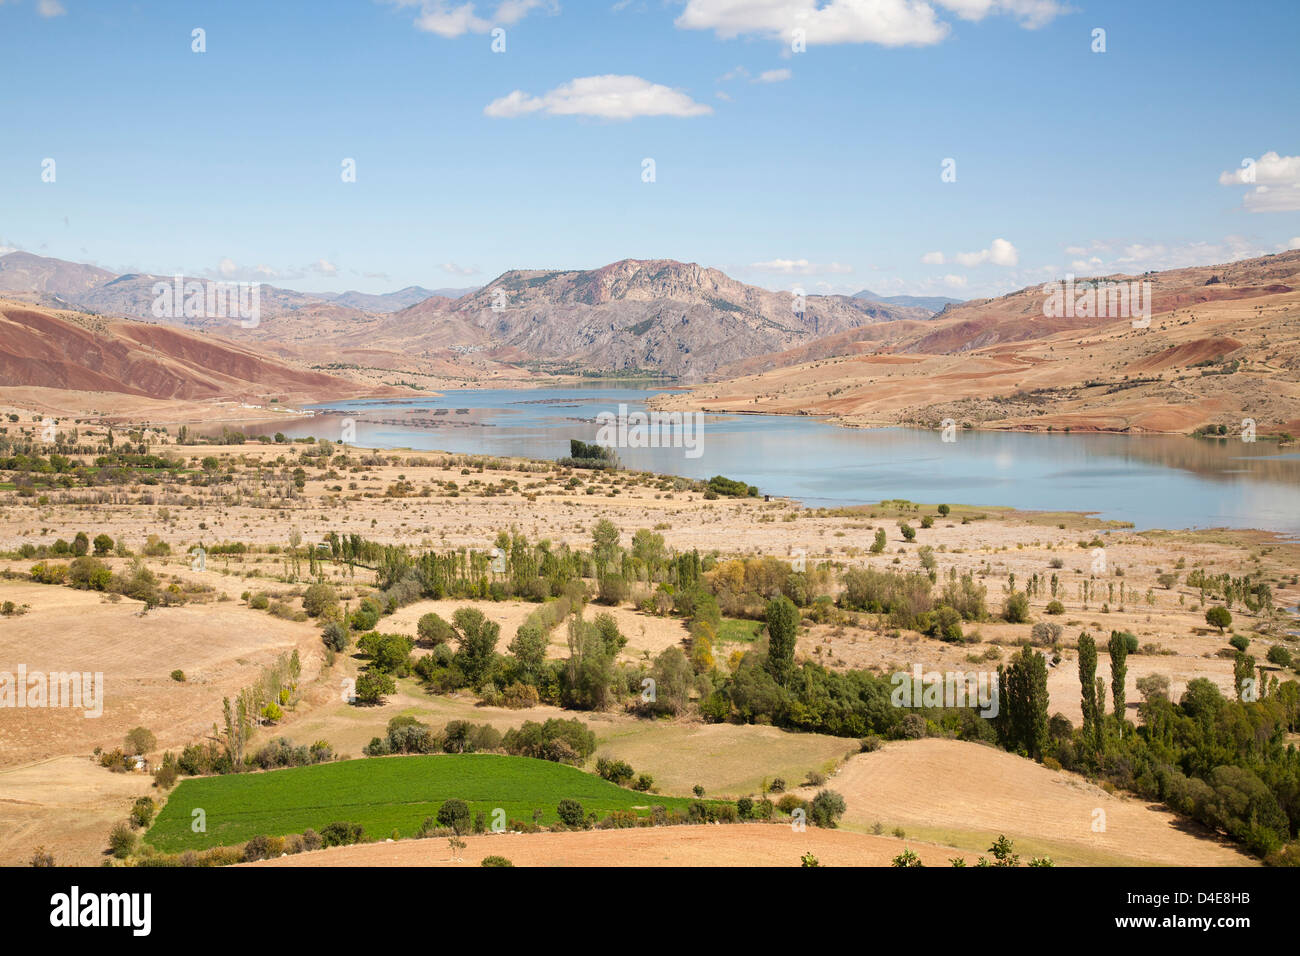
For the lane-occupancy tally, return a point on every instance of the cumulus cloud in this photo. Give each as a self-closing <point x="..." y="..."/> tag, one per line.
<point x="933" y="258"/>
<point x="50" y="8"/>
<point x="999" y="253"/>
<point x="884" y="22"/>
<point x="1276" y="182"/>
<point x="450" y="19"/>
<point x="801" y="267"/>
<point x="775" y="76"/>
<point x="607" y="97"/>
<point x="954" y="281"/>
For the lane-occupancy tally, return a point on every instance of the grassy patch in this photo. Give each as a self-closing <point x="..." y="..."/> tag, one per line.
<point x="734" y="630"/>
<point x="382" y="794"/>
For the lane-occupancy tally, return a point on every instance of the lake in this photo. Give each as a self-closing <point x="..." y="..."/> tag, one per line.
<point x="1159" y="481"/>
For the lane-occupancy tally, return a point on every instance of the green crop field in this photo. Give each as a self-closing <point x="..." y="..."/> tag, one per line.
<point x="382" y="794"/>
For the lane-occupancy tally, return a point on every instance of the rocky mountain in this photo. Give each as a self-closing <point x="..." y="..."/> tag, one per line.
<point x="673" y="318"/>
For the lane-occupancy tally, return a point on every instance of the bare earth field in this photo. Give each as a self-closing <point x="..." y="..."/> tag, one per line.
<point x="221" y="643"/>
<point x="736" y="844"/>
<point x="965" y="794"/>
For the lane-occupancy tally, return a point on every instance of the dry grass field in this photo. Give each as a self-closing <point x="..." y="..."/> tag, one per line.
<point x="737" y="844"/>
<point x="221" y="643"/>
<point x="965" y="794"/>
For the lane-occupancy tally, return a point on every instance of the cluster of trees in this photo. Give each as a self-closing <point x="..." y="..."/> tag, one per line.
<point x="1228" y="763"/>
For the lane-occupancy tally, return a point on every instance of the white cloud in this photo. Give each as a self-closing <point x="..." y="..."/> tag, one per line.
<point x="954" y="281"/>
<point x="227" y="267"/>
<point x="933" y="258"/>
<point x="608" y="97"/>
<point x="1292" y="244"/>
<point x="801" y="267"/>
<point x="1111" y="256"/>
<point x="1031" y="14"/>
<point x="884" y="22"/>
<point x="1276" y="180"/>
<point x="999" y="253"/>
<point x="450" y="20"/>
<point x="775" y="76"/>
<point x="458" y="270"/>
<point x="50" y="8"/>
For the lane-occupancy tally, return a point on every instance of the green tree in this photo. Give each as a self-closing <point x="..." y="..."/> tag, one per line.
<point x="478" y="642"/>
<point x="1088" y="691"/>
<point x="454" y="814"/>
<point x="1218" y="616"/>
<point x="782" y="635"/>
<point x="1118" y="673"/>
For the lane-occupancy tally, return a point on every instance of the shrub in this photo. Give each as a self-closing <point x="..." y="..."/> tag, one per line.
<point x="139" y="740"/>
<point x="335" y="636"/>
<point x="319" y="598"/>
<point x="1218" y="616"/>
<point x="1015" y="609"/>
<point x="1055" y="607"/>
<point x="339" y="834"/>
<point x="454" y="814"/>
<point x="1240" y="642"/>
<point x="570" y="813"/>
<point x="1279" y="655"/>
<point x="178" y="675"/>
<point x="826" y="808"/>
<point x="122" y="841"/>
<point x="433" y="630"/>
<point x="615" y="771"/>
<point x="142" y="812"/>
<point x="495" y="860"/>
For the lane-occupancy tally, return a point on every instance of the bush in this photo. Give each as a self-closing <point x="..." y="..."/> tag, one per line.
<point x="433" y="630"/>
<point x="142" y="812"/>
<point x="1240" y="642"/>
<point x="139" y="740"/>
<point x="319" y="598"/>
<point x="615" y="771"/>
<point x="338" y="834"/>
<point x="826" y="808"/>
<point x="570" y="813"/>
<point x="122" y="841"/>
<point x="495" y="860"/>
<point x="1279" y="655"/>
<point x="178" y="675"/>
<point x="1219" y="617"/>
<point x="335" y="636"/>
<point x="1015" y="609"/>
<point x="1055" y="607"/>
<point x="454" y="814"/>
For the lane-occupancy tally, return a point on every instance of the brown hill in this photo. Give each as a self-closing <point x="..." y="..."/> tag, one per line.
<point x="63" y="350"/>
<point x="1223" y="344"/>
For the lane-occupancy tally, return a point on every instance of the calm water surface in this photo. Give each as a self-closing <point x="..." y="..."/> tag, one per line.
<point x="1152" y="481"/>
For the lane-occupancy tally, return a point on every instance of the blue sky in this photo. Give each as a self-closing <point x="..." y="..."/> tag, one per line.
<point x="819" y="168"/>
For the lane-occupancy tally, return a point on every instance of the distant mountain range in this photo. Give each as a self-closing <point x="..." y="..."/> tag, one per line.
<point x="659" y="315"/>
<point x="91" y="289"/>
<point x="935" y="303"/>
